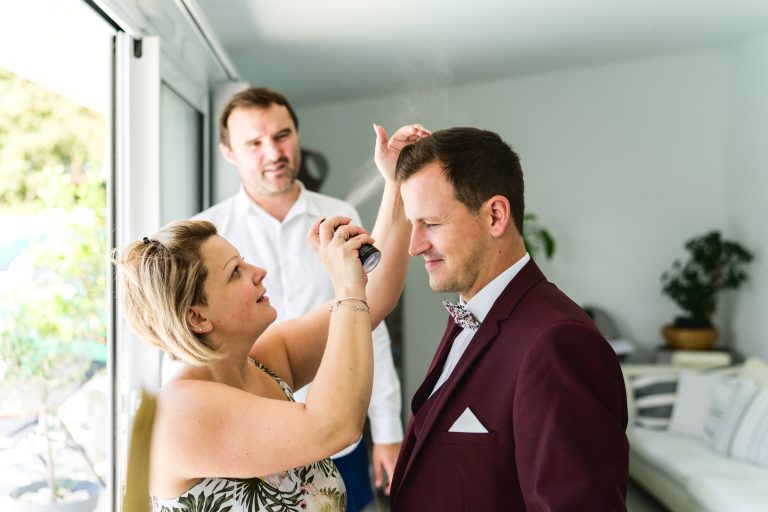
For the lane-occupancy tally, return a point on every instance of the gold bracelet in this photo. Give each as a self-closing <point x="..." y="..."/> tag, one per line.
<point x="336" y="305"/>
<point x="340" y="300"/>
<point x="355" y="308"/>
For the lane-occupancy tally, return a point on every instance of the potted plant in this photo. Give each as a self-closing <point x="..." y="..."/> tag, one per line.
<point x="713" y="265"/>
<point x="537" y="238"/>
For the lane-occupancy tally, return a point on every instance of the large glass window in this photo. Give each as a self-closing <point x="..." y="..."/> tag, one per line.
<point x="55" y="171"/>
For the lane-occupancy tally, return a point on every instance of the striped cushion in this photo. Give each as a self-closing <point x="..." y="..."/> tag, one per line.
<point x="654" y="397"/>
<point x="743" y="428"/>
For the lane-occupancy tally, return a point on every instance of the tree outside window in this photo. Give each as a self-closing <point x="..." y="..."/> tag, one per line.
<point x="53" y="272"/>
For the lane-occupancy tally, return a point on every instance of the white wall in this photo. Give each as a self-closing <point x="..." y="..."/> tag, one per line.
<point x="225" y="178"/>
<point x="748" y="190"/>
<point x="622" y="162"/>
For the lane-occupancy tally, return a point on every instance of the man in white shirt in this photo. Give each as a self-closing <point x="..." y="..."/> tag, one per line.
<point x="268" y="220"/>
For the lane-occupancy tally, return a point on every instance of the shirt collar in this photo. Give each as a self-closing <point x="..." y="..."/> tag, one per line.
<point x="481" y="303"/>
<point x="308" y="200"/>
<point x="305" y="202"/>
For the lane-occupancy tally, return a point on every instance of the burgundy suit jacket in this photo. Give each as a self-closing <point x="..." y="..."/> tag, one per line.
<point x="548" y="388"/>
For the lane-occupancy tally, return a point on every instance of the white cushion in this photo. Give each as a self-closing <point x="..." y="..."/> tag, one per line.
<point x="722" y="392"/>
<point x="692" y="403"/>
<point x="757" y="370"/>
<point x="742" y="431"/>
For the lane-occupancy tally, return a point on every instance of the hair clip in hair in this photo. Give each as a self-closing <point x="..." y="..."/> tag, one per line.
<point x="146" y="241"/>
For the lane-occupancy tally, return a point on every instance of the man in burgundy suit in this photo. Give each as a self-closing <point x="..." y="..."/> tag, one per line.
<point x="523" y="407"/>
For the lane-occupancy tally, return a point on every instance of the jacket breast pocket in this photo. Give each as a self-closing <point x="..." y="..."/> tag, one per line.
<point x="468" y="438"/>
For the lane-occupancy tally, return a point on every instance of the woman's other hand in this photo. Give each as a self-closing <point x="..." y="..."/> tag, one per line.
<point x="337" y="242"/>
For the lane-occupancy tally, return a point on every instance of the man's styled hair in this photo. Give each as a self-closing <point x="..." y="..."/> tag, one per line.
<point x="164" y="276"/>
<point x="476" y="162"/>
<point x="258" y="97"/>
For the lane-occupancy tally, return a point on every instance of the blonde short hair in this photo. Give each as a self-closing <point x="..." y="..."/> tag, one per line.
<point x="164" y="276"/>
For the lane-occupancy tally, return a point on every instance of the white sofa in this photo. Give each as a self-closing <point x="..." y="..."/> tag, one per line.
<point x="681" y="470"/>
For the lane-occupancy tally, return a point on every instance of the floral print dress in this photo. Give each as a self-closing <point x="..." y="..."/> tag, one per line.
<point x="316" y="487"/>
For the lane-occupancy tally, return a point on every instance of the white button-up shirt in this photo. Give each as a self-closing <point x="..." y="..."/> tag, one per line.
<point x="297" y="282"/>
<point x="479" y="305"/>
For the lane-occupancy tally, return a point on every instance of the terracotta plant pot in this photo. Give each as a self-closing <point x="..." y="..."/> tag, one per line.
<point x="690" y="339"/>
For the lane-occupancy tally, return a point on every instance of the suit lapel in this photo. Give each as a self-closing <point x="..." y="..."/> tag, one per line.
<point x="436" y="367"/>
<point x="421" y="396"/>
<point x="528" y="276"/>
<point x="480" y="341"/>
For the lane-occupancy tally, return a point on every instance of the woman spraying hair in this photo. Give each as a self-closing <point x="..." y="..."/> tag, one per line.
<point x="227" y="435"/>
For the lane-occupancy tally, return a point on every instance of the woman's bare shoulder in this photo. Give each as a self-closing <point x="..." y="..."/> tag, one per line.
<point x="193" y="396"/>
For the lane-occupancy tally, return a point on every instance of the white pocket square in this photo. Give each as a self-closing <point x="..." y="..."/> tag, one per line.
<point x="468" y="423"/>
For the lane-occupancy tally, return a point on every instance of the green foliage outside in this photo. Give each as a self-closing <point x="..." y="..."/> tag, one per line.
<point x="50" y="321"/>
<point x="41" y="131"/>
<point x="53" y="326"/>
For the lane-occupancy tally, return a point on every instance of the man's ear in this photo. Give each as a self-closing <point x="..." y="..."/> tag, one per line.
<point x="227" y="153"/>
<point x="498" y="215"/>
<point x="197" y="322"/>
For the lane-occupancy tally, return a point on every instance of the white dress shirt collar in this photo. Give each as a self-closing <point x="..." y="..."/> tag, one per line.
<point x="481" y="303"/>
<point x="479" y="306"/>
<point x="304" y="204"/>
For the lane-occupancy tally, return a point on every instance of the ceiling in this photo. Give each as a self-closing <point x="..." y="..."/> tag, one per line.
<point x="318" y="51"/>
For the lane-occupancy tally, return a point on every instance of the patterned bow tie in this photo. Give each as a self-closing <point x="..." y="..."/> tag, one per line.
<point x="461" y="316"/>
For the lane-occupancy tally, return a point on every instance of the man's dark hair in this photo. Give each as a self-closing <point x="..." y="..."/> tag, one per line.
<point x="476" y="162"/>
<point x="259" y="97"/>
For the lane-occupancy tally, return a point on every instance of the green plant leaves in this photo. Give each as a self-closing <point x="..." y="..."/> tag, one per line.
<point x="537" y="238"/>
<point x="713" y="265"/>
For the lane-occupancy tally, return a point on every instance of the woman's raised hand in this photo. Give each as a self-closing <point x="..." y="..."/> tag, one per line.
<point x="337" y="242"/>
<point x="386" y="150"/>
